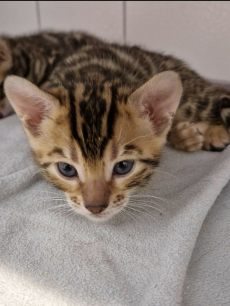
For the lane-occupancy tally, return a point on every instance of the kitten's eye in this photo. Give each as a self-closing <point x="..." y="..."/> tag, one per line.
<point x="67" y="170"/>
<point x="123" y="167"/>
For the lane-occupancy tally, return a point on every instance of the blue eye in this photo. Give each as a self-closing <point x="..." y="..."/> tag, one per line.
<point x="123" y="167"/>
<point x="67" y="170"/>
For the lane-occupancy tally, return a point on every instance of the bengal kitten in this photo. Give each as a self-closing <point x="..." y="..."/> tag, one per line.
<point x="98" y="114"/>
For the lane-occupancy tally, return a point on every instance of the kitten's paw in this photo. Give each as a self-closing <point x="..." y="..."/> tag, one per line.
<point x="216" y="138"/>
<point x="186" y="136"/>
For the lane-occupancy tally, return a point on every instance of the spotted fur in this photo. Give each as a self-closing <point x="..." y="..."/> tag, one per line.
<point x="96" y="108"/>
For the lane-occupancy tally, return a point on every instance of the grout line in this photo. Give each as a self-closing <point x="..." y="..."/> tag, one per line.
<point x="38" y="15"/>
<point x="124" y="21"/>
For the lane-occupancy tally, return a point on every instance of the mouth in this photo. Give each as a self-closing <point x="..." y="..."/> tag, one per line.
<point x="98" y="217"/>
<point x="101" y="217"/>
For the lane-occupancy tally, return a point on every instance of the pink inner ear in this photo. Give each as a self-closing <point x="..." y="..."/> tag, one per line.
<point x="30" y="103"/>
<point x="34" y="112"/>
<point x="159" y="98"/>
<point x="158" y="105"/>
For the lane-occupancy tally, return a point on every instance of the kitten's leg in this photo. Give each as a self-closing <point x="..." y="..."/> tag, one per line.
<point x="191" y="137"/>
<point x="217" y="114"/>
<point x="204" y="110"/>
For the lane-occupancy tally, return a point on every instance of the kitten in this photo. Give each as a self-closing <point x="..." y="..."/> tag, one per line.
<point x="98" y="114"/>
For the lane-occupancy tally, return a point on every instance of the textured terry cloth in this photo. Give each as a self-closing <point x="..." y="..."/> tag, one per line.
<point x="50" y="257"/>
<point x="208" y="276"/>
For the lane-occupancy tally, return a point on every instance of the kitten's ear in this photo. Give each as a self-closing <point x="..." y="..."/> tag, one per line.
<point x="30" y="103"/>
<point x="158" y="100"/>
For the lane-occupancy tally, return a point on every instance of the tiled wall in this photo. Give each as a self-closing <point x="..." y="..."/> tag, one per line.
<point x="196" y="31"/>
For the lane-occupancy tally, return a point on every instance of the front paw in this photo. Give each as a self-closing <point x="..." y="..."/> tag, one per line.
<point x="216" y="138"/>
<point x="186" y="136"/>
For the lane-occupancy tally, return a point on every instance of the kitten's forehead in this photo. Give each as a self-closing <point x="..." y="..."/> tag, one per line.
<point x="93" y="115"/>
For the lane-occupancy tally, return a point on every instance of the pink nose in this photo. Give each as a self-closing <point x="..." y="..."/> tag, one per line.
<point x="96" y="209"/>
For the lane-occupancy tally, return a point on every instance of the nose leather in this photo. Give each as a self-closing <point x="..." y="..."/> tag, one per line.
<point x="96" y="209"/>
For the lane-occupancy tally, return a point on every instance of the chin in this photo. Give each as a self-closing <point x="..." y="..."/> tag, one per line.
<point x="99" y="218"/>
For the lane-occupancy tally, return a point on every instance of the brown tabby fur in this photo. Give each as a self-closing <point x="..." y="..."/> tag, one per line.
<point x="93" y="124"/>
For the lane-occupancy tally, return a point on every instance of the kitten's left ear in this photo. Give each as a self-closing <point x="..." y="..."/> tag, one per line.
<point x="30" y="103"/>
<point x="158" y="100"/>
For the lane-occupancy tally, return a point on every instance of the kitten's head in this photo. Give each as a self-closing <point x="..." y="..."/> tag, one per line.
<point x="97" y="143"/>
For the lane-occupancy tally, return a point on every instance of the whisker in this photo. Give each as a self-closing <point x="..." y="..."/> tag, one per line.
<point x="129" y="214"/>
<point x="146" y="202"/>
<point x="119" y="135"/>
<point x="150" y="196"/>
<point x="135" y="212"/>
<point x="52" y="193"/>
<point x="58" y="206"/>
<point x="135" y="139"/>
<point x="149" y="206"/>
<point x="144" y="213"/>
<point x="134" y="152"/>
<point x="71" y="145"/>
<point x="130" y="207"/>
<point x="60" y="211"/>
<point x="46" y="200"/>
<point x="71" y="213"/>
<point x="148" y="214"/>
<point x="53" y="198"/>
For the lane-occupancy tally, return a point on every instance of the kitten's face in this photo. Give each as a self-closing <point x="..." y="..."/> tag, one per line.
<point x="96" y="145"/>
<point x="110" y="150"/>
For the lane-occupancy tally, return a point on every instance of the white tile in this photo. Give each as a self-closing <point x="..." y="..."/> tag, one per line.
<point x="196" y="31"/>
<point x="18" y="17"/>
<point x="104" y="19"/>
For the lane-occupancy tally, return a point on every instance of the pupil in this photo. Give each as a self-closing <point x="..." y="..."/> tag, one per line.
<point x="123" y="165"/>
<point x="67" y="167"/>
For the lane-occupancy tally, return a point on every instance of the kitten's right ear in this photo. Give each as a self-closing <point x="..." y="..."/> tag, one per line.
<point x="31" y="104"/>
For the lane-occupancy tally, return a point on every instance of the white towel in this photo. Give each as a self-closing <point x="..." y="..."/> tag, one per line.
<point x="51" y="257"/>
